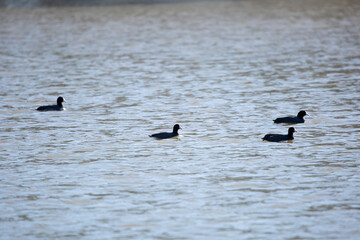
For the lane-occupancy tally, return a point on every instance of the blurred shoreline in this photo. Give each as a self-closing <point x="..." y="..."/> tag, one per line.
<point x="70" y="3"/>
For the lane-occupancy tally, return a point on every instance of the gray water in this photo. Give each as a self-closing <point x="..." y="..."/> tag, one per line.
<point x="223" y="71"/>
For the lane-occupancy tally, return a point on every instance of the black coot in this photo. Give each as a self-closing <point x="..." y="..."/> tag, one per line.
<point x="292" y="119"/>
<point x="280" y="137"/>
<point x="164" y="135"/>
<point x="57" y="107"/>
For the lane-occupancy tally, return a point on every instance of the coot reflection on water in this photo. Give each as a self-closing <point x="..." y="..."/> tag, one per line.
<point x="292" y="119"/>
<point x="280" y="137"/>
<point x="58" y="107"/>
<point x="164" y="135"/>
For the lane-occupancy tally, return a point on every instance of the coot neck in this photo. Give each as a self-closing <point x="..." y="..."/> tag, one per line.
<point x="301" y="116"/>
<point x="291" y="134"/>
<point x="59" y="103"/>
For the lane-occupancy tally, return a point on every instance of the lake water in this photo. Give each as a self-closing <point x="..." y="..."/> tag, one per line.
<point x="223" y="71"/>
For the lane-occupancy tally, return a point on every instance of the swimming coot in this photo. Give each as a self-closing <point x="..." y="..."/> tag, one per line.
<point x="280" y="137"/>
<point x="165" y="135"/>
<point x="292" y="119"/>
<point x="57" y="107"/>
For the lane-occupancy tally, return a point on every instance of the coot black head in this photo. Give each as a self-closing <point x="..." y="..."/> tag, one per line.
<point x="301" y="114"/>
<point x="59" y="101"/>
<point x="176" y="128"/>
<point x="291" y="131"/>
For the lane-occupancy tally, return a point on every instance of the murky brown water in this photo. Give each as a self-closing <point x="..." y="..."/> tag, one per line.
<point x="222" y="71"/>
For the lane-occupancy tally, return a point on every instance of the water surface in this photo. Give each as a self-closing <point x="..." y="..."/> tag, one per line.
<point x="223" y="71"/>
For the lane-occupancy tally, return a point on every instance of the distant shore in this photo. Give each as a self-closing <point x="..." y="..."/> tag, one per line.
<point x="69" y="3"/>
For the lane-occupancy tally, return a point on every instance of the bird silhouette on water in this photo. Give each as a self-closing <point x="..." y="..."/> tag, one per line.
<point x="280" y="137"/>
<point x="58" y="107"/>
<point x="292" y="119"/>
<point x="164" y="135"/>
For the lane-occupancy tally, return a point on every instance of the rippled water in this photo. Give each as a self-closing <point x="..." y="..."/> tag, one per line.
<point x="223" y="71"/>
